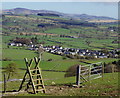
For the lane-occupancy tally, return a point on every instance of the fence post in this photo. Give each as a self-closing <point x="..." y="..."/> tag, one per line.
<point x="113" y="70"/>
<point x="4" y="83"/>
<point x="78" y="75"/>
<point x="102" y="70"/>
<point x="89" y="73"/>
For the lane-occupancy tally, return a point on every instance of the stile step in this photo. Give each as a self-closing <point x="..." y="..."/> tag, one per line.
<point x="39" y="90"/>
<point x="33" y="69"/>
<point x="36" y="74"/>
<point x="38" y="84"/>
<point x="36" y="79"/>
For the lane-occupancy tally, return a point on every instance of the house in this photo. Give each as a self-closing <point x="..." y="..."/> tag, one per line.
<point x="95" y="56"/>
<point x="73" y="53"/>
<point x="12" y="44"/>
<point x="31" y="49"/>
<point x="31" y="46"/>
<point x="102" y="56"/>
<point x="18" y="44"/>
<point x="52" y="47"/>
<point x="81" y="52"/>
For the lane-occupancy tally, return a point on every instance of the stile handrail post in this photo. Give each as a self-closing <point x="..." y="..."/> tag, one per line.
<point x="103" y="67"/>
<point x="4" y="83"/>
<point x="78" y="75"/>
<point x="89" y="73"/>
<point x="113" y="70"/>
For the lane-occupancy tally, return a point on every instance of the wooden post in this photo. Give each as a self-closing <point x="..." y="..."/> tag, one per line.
<point x="78" y="75"/>
<point x="113" y="71"/>
<point x="4" y="83"/>
<point x="103" y="70"/>
<point x="89" y="73"/>
<point x="112" y="68"/>
<point x="40" y="51"/>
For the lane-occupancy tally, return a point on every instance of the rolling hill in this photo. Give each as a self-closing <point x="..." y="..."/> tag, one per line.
<point x="25" y="11"/>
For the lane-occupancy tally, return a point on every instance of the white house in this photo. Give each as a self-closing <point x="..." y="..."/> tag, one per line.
<point x="12" y="44"/>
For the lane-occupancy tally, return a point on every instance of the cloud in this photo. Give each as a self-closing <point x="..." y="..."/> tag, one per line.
<point x="60" y="0"/>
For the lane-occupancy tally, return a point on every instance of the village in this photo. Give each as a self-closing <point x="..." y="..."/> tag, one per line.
<point x="71" y="52"/>
<point x="59" y="49"/>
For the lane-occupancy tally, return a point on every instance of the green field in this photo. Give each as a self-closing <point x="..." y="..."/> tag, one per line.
<point x="54" y="66"/>
<point x="50" y="77"/>
<point x="58" y="63"/>
<point x="99" y="37"/>
<point x="95" y="44"/>
<point x="99" y="87"/>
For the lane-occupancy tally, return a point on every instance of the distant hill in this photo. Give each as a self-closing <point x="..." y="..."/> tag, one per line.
<point x="89" y="17"/>
<point x="25" y="11"/>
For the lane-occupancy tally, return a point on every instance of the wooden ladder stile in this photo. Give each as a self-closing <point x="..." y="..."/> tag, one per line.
<point x="39" y="76"/>
<point x="41" y="80"/>
<point x="35" y="77"/>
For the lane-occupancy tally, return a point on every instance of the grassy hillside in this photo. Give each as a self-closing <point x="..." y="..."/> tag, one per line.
<point x="108" y="86"/>
<point x="66" y="33"/>
<point x="99" y="36"/>
<point x="57" y="62"/>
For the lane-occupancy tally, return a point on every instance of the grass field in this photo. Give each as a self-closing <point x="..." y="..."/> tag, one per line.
<point x="56" y="80"/>
<point x="97" y="36"/>
<point x="95" y="43"/>
<point x="18" y="54"/>
<point x="57" y="63"/>
<point x="54" y="66"/>
<point x="98" y="87"/>
<point x="108" y="86"/>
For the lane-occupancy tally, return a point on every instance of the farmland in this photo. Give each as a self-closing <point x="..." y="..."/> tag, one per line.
<point x="50" y="77"/>
<point x="55" y="31"/>
<point x="97" y="36"/>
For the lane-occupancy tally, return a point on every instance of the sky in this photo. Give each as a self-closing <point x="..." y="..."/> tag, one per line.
<point x="109" y="9"/>
<point x="60" y="0"/>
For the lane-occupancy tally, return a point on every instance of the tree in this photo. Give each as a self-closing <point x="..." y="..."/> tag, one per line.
<point x="105" y="50"/>
<point x="43" y="42"/>
<point x="88" y="42"/>
<point x="26" y="15"/>
<point x="11" y="69"/>
<point x="22" y="40"/>
<point x="34" y="40"/>
<point x="3" y="16"/>
<point x="71" y="71"/>
<point x="40" y="50"/>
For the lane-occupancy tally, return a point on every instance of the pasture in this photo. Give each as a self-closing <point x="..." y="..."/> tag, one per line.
<point x="95" y="44"/>
<point x="57" y="85"/>
<point x="57" y="62"/>
<point x="99" y="37"/>
<point x="53" y="74"/>
<point x="54" y="66"/>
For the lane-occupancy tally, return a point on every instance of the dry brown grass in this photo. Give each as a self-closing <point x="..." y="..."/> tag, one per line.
<point x="103" y="21"/>
<point x="24" y="33"/>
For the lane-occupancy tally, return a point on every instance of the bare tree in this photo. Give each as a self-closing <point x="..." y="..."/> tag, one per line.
<point x="40" y="50"/>
<point x="11" y="70"/>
